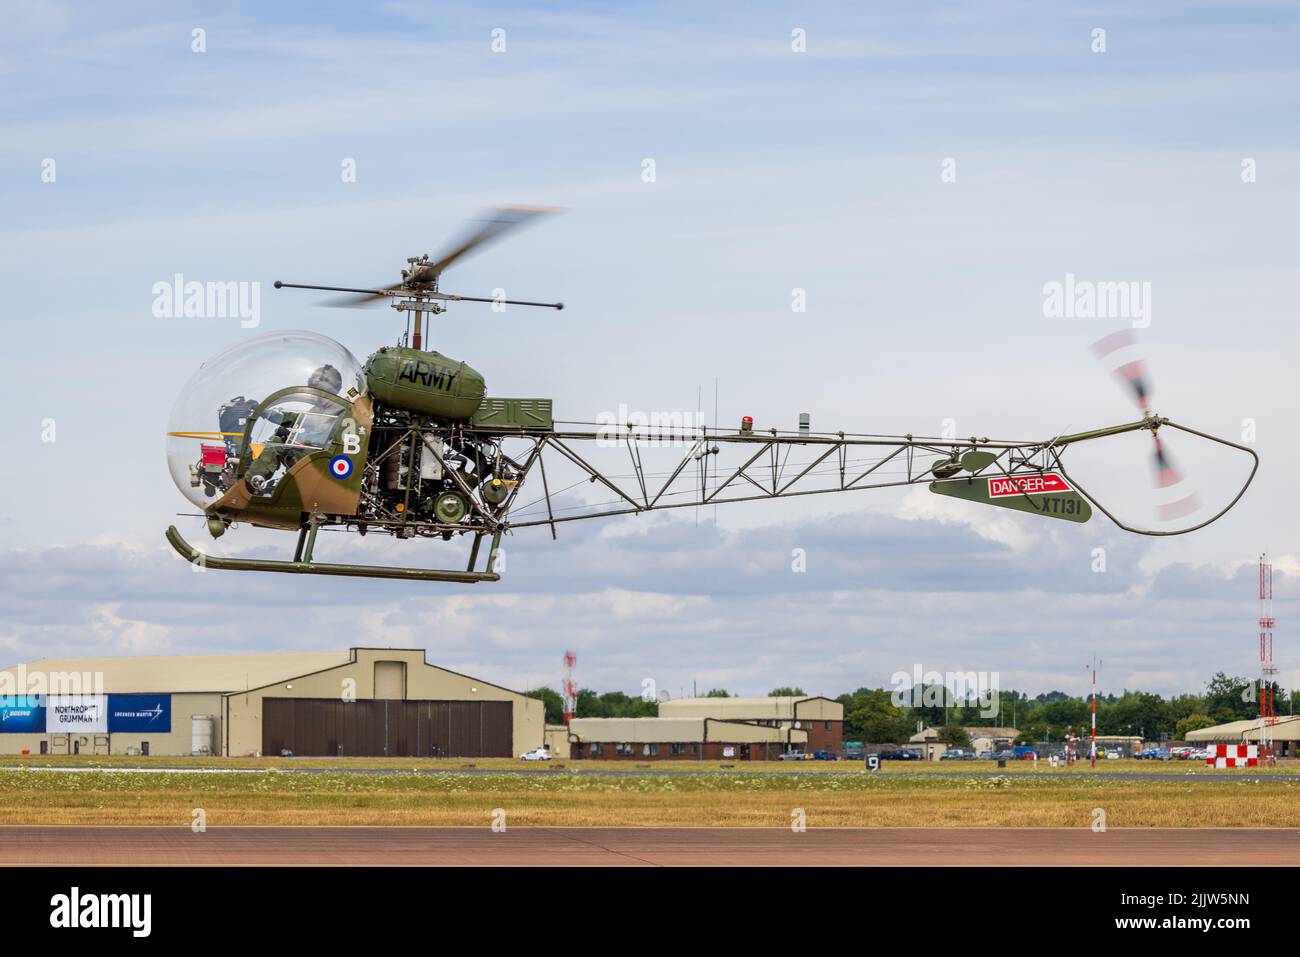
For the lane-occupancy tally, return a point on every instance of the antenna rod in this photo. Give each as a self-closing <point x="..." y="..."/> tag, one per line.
<point x="368" y="292"/>
<point x="510" y="302"/>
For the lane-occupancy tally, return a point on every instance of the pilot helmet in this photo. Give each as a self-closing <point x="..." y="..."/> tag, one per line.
<point x="326" y="378"/>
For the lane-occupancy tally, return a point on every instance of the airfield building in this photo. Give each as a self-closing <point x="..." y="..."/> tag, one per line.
<point x="1284" y="733"/>
<point x="708" y="729"/>
<point x="356" y="702"/>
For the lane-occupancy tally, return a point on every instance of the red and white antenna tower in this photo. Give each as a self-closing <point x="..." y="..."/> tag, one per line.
<point x="1267" y="673"/>
<point x="570" y="687"/>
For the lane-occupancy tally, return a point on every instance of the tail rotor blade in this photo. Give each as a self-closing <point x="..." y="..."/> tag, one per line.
<point x="1178" y="498"/>
<point x="1166" y="472"/>
<point x="1132" y="373"/>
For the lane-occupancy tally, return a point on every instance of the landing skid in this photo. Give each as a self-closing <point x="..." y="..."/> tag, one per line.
<point x="308" y="567"/>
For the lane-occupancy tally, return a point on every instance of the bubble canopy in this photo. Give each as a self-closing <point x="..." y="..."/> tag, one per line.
<point x="205" y="432"/>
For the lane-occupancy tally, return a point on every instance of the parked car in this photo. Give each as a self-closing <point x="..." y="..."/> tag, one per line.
<point x="825" y="756"/>
<point x="957" y="754"/>
<point x="1153" y="754"/>
<point x="899" y="754"/>
<point x="796" y="756"/>
<point x="536" y="754"/>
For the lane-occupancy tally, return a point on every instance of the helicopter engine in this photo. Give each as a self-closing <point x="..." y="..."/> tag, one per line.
<point x="431" y="474"/>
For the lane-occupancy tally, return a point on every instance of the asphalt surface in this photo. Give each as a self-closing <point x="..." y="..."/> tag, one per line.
<point x="80" y="846"/>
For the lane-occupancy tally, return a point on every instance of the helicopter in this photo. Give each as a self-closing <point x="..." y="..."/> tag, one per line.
<point x="410" y="444"/>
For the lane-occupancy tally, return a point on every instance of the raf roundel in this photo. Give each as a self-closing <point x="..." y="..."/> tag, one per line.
<point x="340" y="466"/>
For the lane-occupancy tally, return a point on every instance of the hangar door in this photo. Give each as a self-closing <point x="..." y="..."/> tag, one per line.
<point x="330" y="726"/>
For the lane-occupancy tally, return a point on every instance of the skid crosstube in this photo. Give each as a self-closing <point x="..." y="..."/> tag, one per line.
<point x="194" y="556"/>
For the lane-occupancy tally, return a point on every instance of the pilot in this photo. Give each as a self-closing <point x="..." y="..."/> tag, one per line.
<point x="327" y="379"/>
<point x="307" y="429"/>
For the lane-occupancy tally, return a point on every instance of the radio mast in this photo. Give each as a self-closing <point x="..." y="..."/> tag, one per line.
<point x="1267" y="672"/>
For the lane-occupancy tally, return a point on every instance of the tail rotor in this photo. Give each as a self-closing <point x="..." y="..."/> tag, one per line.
<point x="1177" y="497"/>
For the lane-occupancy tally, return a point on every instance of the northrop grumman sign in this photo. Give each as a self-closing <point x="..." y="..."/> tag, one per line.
<point x="72" y="714"/>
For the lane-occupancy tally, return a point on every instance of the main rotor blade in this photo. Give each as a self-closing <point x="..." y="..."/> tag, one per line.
<point x="494" y="223"/>
<point x="359" y="299"/>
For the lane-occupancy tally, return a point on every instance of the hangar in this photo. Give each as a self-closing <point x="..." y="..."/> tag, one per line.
<point x="355" y="702"/>
<point x="1284" y="733"/>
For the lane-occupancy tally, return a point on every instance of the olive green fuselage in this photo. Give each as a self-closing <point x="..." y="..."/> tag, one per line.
<point x="425" y="382"/>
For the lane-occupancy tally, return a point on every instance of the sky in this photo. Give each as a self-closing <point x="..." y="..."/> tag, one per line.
<point x="920" y="173"/>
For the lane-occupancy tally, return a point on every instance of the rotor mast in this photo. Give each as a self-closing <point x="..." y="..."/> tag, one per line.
<point x="417" y="305"/>
<point x="418" y="291"/>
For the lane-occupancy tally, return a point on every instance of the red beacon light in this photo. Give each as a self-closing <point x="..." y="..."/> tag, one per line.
<point x="746" y="424"/>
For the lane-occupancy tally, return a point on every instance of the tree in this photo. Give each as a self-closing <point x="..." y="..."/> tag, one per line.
<point x="1057" y="715"/>
<point x="717" y="693"/>
<point x="872" y="717"/>
<point x="1230" y="699"/>
<point x="1138" y="712"/>
<point x="955" y="736"/>
<point x="553" y="702"/>
<point x="1180" y="706"/>
<point x="786" y="693"/>
<point x="1193" y="722"/>
<point x="614" y="704"/>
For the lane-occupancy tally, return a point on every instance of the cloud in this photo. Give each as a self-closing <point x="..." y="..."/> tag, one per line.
<point x="682" y="604"/>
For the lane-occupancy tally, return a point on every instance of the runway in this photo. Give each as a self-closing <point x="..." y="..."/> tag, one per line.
<point x="78" y="846"/>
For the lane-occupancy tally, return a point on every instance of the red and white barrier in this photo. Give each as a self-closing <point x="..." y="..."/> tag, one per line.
<point x="1233" y="756"/>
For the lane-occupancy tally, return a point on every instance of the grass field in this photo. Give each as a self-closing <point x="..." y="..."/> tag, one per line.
<point x="1286" y="768"/>
<point x="829" y="794"/>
